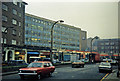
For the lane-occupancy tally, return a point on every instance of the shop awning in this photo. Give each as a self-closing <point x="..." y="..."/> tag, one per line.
<point x="33" y="53"/>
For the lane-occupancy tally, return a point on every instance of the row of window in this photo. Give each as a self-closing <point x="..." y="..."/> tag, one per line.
<point x="109" y="43"/>
<point x="109" y="51"/>
<point x="111" y="47"/>
<point x="14" y="11"/>
<point x="13" y="31"/>
<point x="13" y="41"/>
<point x="50" y="24"/>
<point x="14" y="22"/>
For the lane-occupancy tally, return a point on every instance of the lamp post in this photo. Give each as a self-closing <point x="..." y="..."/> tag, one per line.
<point x="96" y="37"/>
<point x="3" y="39"/>
<point x="52" y="38"/>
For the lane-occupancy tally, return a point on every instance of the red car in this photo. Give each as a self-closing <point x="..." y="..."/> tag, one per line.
<point x="37" y="69"/>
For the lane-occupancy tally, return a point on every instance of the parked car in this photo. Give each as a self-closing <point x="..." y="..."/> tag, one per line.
<point x="56" y="61"/>
<point x="37" y="69"/>
<point x="105" y="66"/>
<point x="17" y="62"/>
<point x="78" y="63"/>
<point x="113" y="62"/>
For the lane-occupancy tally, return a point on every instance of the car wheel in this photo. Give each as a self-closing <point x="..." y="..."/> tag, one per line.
<point x="99" y="71"/>
<point x="111" y="71"/>
<point x="83" y="66"/>
<point x="72" y="66"/>
<point x="22" y="77"/>
<point x="118" y="74"/>
<point x="50" y="74"/>
<point x="38" y="76"/>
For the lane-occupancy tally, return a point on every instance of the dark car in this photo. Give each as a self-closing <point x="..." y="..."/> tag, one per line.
<point x="37" y="69"/>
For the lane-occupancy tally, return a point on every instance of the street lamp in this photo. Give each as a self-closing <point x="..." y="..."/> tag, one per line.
<point x="52" y="37"/>
<point x="3" y="39"/>
<point x="96" y="37"/>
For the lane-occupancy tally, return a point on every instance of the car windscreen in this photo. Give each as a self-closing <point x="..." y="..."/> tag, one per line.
<point x="105" y="64"/>
<point x="35" y="65"/>
<point x="77" y="61"/>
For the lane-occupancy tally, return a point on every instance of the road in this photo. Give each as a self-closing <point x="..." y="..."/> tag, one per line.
<point x="89" y="72"/>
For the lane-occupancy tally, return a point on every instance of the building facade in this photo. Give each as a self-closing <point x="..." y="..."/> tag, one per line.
<point x="13" y="20"/>
<point x="108" y="46"/>
<point x="38" y="33"/>
<point x="83" y="40"/>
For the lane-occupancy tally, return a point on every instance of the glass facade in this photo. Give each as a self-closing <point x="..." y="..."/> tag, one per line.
<point x="38" y="33"/>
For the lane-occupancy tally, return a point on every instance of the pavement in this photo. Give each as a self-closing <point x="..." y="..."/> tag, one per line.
<point x="111" y="77"/>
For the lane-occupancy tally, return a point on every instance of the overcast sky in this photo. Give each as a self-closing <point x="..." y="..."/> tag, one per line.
<point x="97" y="18"/>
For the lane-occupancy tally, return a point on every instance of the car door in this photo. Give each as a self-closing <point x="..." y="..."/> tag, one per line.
<point x="45" y="68"/>
<point x="51" y="67"/>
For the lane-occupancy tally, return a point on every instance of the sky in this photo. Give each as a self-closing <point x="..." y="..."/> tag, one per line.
<point x="97" y="17"/>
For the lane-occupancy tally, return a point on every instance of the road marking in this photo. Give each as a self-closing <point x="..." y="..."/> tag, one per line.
<point x="73" y="76"/>
<point x="55" y="72"/>
<point x="104" y="77"/>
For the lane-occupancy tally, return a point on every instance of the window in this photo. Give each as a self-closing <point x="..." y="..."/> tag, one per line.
<point x="14" y="2"/>
<point x="3" y="29"/>
<point x="14" y="12"/>
<point x="4" y="7"/>
<point x="14" y="42"/>
<point x="1" y="40"/>
<point x="14" y="32"/>
<point x="4" y="40"/>
<point x="19" y="14"/>
<point x="19" y="23"/>
<point x="20" y="4"/>
<point x="4" y="18"/>
<point x="19" y="33"/>
<point x="14" y="22"/>
<point x="19" y="43"/>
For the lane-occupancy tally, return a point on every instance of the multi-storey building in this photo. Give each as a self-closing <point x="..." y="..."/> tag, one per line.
<point x="83" y="41"/>
<point x="108" y="46"/>
<point x="65" y="37"/>
<point x="13" y="17"/>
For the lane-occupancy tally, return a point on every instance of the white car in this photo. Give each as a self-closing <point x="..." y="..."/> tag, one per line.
<point x="105" y="66"/>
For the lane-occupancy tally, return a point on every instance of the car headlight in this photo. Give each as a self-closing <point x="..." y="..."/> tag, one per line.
<point x="20" y="71"/>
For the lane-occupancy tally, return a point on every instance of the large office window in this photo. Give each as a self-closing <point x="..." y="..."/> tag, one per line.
<point x="4" y="7"/>
<point x="4" y="18"/>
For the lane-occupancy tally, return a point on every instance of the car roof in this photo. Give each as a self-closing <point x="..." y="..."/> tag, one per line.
<point x="41" y="62"/>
